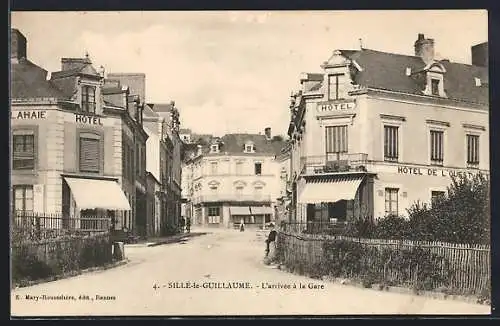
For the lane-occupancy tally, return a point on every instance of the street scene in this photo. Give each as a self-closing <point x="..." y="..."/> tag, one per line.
<point x="149" y="276"/>
<point x="237" y="163"/>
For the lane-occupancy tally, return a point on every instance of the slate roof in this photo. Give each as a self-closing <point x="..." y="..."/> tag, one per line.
<point x="387" y="71"/>
<point x="160" y="107"/>
<point x="234" y="144"/>
<point x="30" y="81"/>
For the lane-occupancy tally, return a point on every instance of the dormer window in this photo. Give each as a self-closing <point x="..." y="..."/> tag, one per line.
<point x="249" y="148"/>
<point x="336" y="86"/>
<point x="214" y="148"/>
<point x="88" y="99"/>
<point x="435" y="86"/>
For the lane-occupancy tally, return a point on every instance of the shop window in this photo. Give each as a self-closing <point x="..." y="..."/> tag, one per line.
<point x="437" y="151"/>
<point x="391" y="143"/>
<point x="89" y="154"/>
<point x="23" y="151"/>
<point x="88" y="99"/>
<point x="23" y="198"/>
<point x="214" y="215"/>
<point x="472" y="149"/>
<point x="391" y="201"/>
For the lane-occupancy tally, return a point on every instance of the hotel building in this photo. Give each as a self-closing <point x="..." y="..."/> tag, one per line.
<point x="233" y="179"/>
<point x="375" y="132"/>
<point x="67" y="136"/>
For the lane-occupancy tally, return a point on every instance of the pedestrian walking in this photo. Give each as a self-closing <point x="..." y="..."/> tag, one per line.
<point x="271" y="238"/>
<point x="183" y="223"/>
<point x="188" y="225"/>
<point x="242" y="226"/>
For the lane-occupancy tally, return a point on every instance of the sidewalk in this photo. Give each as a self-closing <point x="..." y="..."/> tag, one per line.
<point x="156" y="241"/>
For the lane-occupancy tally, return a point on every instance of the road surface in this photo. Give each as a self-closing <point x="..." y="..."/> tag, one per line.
<point x="150" y="285"/>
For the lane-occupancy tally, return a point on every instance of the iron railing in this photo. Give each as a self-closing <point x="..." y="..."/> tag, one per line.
<point x="333" y="162"/>
<point x="36" y="226"/>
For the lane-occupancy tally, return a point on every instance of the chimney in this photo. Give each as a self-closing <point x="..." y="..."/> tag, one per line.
<point x="480" y="54"/>
<point x="18" y="44"/>
<point x="73" y="63"/>
<point x="267" y="132"/>
<point x="424" y="48"/>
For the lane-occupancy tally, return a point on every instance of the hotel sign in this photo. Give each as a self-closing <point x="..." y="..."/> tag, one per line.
<point x="88" y="120"/>
<point x="332" y="107"/>
<point x="437" y="172"/>
<point x="29" y="115"/>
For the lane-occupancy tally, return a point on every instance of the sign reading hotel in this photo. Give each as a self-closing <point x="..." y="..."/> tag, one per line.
<point x="88" y="120"/>
<point x="437" y="172"/>
<point x="29" y="115"/>
<point x="326" y="108"/>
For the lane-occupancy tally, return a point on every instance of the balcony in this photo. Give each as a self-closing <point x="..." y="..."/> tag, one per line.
<point x="232" y="198"/>
<point x="334" y="163"/>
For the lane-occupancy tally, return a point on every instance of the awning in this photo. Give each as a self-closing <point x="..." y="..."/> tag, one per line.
<point x="256" y="210"/>
<point x="239" y="210"/>
<point x="93" y="194"/>
<point x="329" y="190"/>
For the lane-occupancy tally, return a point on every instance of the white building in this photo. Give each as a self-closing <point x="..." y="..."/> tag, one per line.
<point x="234" y="178"/>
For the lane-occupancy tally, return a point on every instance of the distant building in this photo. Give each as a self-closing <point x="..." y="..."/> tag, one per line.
<point x="376" y="131"/>
<point x="233" y="179"/>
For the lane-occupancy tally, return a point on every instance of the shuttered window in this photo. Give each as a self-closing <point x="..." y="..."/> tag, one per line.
<point x="473" y="149"/>
<point x="436" y="147"/>
<point x="89" y="154"/>
<point x="390" y="143"/>
<point x="336" y="139"/>
<point x="391" y="201"/>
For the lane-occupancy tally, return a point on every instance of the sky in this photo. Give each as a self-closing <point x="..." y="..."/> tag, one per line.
<point x="234" y="71"/>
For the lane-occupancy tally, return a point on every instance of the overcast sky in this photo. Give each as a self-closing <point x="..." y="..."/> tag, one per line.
<point x="234" y="71"/>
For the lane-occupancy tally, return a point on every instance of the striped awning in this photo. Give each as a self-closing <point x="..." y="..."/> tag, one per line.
<point x="239" y="210"/>
<point x="329" y="190"/>
<point x="261" y="210"/>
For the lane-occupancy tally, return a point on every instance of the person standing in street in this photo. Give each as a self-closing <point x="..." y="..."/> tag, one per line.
<point x="270" y="238"/>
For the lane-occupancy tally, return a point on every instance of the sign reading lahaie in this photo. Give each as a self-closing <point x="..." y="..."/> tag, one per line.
<point x="335" y="107"/>
<point x="29" y="115"/>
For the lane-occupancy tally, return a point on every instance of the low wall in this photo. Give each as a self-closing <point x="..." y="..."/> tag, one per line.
<point x="32" y="260"/>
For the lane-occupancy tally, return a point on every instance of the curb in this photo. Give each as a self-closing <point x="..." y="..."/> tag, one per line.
<point x="176" y="239"/>
<point x="71" y="274"/>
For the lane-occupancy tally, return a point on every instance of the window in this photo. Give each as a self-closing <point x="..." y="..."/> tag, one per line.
<point x="473" y="149"/>
<point x="239" y="168"/>
<point x="436" y="196"/>
<point x="434" y="86"/>
<point x="23" y="151"/>
<point x="214" y="148"/>
<point x="258" y="191"/>
<point x="213" y="168"/>
<point x="336" y="141"/>
<point x="258" y="168"/>
<point x="391" y="201"/>
<point x="436" y="147"/>
<point x="390" y="143"/>
<point x="213" y="215"/>
<point x="249" y="148"/>
<point x="23" y="198"/>
<point x="89" y="154"/>
<point x="88" y="99"/>
<point x="213" y="190"/>
<point x="239" y="191"/>
<point x="335" y="86"/>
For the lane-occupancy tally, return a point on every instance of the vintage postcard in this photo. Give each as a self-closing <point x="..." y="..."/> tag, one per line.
<point x="238" y="163"/>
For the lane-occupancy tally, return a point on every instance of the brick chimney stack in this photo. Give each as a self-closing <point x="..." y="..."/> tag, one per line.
<point x="424" y="48"/>
<point x="18" y="45"/>
<point x="267" y="132"/>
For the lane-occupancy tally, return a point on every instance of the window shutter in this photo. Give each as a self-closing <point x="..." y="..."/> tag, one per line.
<point x="89" y="155"/>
